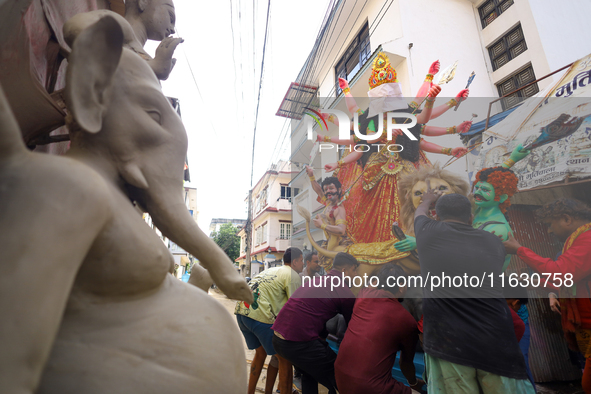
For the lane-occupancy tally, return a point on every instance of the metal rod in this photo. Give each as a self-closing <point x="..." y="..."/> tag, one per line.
<point x="521" y="88"/>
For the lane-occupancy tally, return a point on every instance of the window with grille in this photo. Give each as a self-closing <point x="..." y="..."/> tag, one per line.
<point x="354" y="57"/>
<point x="286" y="192"/>
<point x="490" y="10"/>
<point x="285" y="230"/>
<point x="258" y="236"/>
<point x="507" y="48"/>
<point x="517" y="81"/>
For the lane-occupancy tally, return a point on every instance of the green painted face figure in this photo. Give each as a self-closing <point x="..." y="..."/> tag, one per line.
<point x="484" y="195"/>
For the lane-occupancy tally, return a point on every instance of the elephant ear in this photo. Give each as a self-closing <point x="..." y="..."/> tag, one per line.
<point x="95" y="56"/>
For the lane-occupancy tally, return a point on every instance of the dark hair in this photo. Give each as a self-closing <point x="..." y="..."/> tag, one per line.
<point x="454" y="206"/>
<point x="308" y="256"/>
<point x="343" y="259"/>
<point x="331" y="180"/>
<point x="410" y="149"/>
<point x="564" y="206"/>
<point x="393" y="271"/>
<point x="291" y="254"/>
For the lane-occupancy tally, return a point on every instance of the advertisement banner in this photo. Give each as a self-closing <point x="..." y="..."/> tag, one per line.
<point x="556" y="125"/>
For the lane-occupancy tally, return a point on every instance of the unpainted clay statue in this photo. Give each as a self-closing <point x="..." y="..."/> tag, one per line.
<point x="154" y="20"/>
<point x="86" y="298"/>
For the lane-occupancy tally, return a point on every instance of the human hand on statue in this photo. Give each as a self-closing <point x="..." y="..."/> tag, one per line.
<point x="435" y="66"/>
<point x="418" y="386"/>
<point x="431" y="195"/>
<point x="343" y="83"/>
<point x="554" y="303"/>
<point x="511" y="245"/>
<point x="459" y="151"/>
<point x="464" y="127"/>
<point x="318" y="221"/>
<point x="406" y="245"/>
<point x="330" y="167"/>
<point x="463" y="95"/>
<point x="519" y="153"/>
<point x="434" y="91"/>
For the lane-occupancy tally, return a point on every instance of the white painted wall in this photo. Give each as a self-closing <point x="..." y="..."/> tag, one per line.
<point x="564" y="29"/>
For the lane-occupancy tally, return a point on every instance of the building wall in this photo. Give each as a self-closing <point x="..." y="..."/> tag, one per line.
<point x="275" y="211"/>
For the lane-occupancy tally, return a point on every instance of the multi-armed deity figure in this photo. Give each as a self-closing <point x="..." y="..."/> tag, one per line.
<point x="373" y="202"/>
<point x="86" y="297"/>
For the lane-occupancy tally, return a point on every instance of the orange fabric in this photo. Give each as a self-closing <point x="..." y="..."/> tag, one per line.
<point x="377" y="204"/>
<point x="348" y="175"/>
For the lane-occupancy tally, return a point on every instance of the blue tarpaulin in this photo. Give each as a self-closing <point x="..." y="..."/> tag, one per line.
<point x="478" y="128"/>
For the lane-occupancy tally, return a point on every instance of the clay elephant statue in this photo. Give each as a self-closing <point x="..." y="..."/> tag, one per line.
<point x="85" y="289"/>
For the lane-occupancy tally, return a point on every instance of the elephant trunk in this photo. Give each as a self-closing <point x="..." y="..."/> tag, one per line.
<point x="164" y="202"/>
<point x="306" y="215"/>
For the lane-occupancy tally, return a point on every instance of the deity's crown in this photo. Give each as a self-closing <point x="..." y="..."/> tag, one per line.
<point x="381" y="71"/>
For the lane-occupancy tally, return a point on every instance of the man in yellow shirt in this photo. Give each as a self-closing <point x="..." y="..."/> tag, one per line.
<point x="271" y="290"/>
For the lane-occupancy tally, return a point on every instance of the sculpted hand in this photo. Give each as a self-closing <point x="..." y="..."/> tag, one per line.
<point x="318" y="221"/>
<point x="163" y="63"/>
<point x="406" y="245"/>
<point x="309" y="171"/>
<point x="464" y="127"/>
<point x="434" y="69"/>
<point x="167" y="47"/>
<point x="554" y="304"/>
<point x="511" y="245"/>
<point x="519" y="153"/>
<point x="463" y="95"/>
<point x="459" y="151"/>
<point x="330" y="118"/>
<point x="396" y="132"/>
<point x="434" y="91"/>
<point x="343" y="83"/>
<point x="331" y="167"/>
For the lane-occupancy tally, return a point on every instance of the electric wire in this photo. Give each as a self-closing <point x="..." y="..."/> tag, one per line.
<point x="259" y="93"/>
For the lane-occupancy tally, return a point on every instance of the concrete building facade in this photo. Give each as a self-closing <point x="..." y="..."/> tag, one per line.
<point x="507" y="43"/>
<point x="271" y="218"/>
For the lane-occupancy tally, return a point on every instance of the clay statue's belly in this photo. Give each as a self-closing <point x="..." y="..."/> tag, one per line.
<point x="127" y="259"/>
<point x="174" y="340"/>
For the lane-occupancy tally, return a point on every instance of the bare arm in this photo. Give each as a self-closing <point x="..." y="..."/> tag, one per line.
<point x="407" y="366"/>
<point x="340" y="228"/>
<point x="351" y="103"/>
<point x="428" y="201"/>
<point x="425" y="115"/>
<point x="351" y="158"/>
<point x="434" y="148"/>
<point x="315" y="185"/>
<point x="433" y="131"/>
